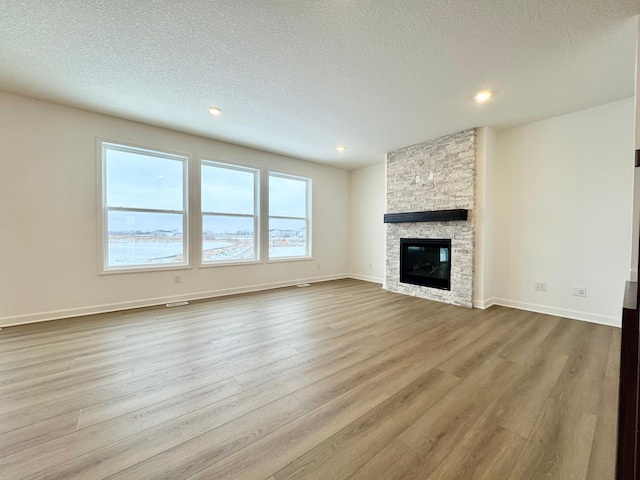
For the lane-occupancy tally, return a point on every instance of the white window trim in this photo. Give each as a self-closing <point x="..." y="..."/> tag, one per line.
<point x="308" y="219"/>
<point x="102" y="208"/>
<point x="257" y="224"/>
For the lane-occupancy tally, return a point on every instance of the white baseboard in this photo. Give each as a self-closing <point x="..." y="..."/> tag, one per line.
<point x="152" y="302"/>
<point x="559" y="312"/>
<point x="366" y="278"/>
<point x="484" y="304"/>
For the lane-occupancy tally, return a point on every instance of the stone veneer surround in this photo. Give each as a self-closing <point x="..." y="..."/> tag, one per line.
<point x="452" y="161"/>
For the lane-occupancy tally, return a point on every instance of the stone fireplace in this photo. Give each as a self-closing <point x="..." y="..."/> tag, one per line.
<point x="431" y="177"/>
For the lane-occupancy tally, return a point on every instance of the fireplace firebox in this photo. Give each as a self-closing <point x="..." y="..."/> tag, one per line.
<point x="426" y="262"/>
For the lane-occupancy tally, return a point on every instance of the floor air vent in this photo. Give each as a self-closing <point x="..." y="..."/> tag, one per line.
<point x="177" y="304"/>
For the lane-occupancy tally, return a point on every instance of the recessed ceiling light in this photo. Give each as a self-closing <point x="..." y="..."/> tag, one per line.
<point x="340" y="148"/>
<point x="483" y="96"/>
<point x="215" y="111"/>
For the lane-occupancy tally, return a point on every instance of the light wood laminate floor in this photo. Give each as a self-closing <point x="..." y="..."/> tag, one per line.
<point x="332" y="381"/>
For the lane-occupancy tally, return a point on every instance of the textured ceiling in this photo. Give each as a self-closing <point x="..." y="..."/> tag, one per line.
<point x="298" y="77"/>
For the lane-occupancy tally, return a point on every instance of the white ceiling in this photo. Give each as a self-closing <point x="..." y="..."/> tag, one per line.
<point x="298" y="77"/>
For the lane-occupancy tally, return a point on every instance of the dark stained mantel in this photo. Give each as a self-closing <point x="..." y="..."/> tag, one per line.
<point x="430" y="216"/>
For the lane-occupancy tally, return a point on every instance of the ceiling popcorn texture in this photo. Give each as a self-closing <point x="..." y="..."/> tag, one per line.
<point x="299" y="77"/>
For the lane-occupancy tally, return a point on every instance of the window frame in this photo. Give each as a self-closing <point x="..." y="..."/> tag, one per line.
<point x="257" y="175"/>
<point x="102" y="145"/>
<point x="308" y="218"/>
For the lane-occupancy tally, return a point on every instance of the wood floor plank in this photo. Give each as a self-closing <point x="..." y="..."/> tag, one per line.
<point x="86" y="440"/>
<point x="103" y="462"/>
<point x="337" y="380"/>
<point x="182" y="386"/>
<point x="23" y="416"/>
<point x="407" y="358"/>
<point x="35" y="434"/>
<point x="391" y="463"/>
<point x="527" y="341"/>
<point x="441" y="342"/>
<point x="23" y="373"/>
<point x="464" y="362"/>
<point x="51" y="389"/>
<point x="443" y="426"/>
<point x="560" y="445"/>
<point x="519" y="406"/>
<point x="206" y="418"/>
<point x="206" y="356"/>
<point x="582" y="378"/>
<point x="602" y="460"/>
<point x="202" y="451"/>
<point x="70" y="349"/>
<point x="487" y="452"/>
<point x="613" y="361"/>
<point x="65" y="380"/>
<point x="342" y="454"/>
<point x="308" y="358"/>
<point x="564" y="337"/>
<point x="602" y="463"/>
<point x="273" y="452"/>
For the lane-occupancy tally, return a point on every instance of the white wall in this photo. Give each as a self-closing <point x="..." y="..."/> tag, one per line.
<point x="48" y="245"/>
<point x="563" y="196"/>
<point x="635" y="240"/>
<point x="484" y="215"/>
<point x="367" y="230"/>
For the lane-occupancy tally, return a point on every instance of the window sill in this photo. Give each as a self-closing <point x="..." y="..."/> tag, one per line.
<point x="139" y="269"/>
<point x="289" y="259"/>
<point x="230" y="263"/>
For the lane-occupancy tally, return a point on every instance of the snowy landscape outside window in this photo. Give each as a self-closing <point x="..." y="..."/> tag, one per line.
<point x="229" y="204"/>
<point x="143" y="208"/>
<point x="289" y="216"/>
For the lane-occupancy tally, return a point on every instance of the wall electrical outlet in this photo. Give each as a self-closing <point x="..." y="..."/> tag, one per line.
<point x="579" y="291"/>
<point x="177" y="279"/>
<point x="540" y="286"/>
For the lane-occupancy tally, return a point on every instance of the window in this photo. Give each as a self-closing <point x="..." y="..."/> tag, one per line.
<point x="144" y="195"/>
<point x="230" y="222"/>
<point x="289" y="216"/>
<point x="144" y="215"/>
